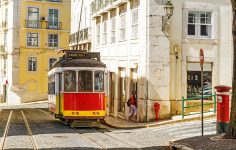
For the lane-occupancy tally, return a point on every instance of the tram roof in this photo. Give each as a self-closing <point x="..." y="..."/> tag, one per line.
<point x="79" y="63"/>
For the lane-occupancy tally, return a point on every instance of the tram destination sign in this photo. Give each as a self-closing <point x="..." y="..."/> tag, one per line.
<point x="83" y="55"/>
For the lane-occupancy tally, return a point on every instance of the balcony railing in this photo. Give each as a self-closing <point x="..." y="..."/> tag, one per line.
<point x="4" y="24"/>
<point x="3" y="49"/>
<point x="97" y="5"/>
<point x="53" y="25"/>
<point x="33" y="24"/>
<point x="54" y="1"/>
<point x="83" y="36"/>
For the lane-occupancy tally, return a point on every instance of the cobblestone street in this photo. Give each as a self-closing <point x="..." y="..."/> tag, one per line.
<point x="36" y="128"/>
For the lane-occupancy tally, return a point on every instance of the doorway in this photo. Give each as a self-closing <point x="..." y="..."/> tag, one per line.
<point x="122" y="91"/>
<point x="111" y="92"/>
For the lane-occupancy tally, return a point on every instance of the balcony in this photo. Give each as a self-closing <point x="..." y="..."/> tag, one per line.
<point x="101" y="6"/>
<point x="3" y="49"/>
<point x="83" y="35"/>
<point x="53" y="25"/>
<point x="4" y="24"/>
<point x="33" y="24"/>
<point x="54" y="1"/>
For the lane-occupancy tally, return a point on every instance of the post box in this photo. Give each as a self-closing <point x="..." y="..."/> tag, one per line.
<point x="222" y="121"/>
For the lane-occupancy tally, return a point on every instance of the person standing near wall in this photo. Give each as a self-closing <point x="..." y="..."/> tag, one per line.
<point x="133" y="106"/>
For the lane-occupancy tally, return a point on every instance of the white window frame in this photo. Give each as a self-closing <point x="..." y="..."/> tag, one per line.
<point x="104" y="33"/>
<point x="32" y="63"/>
<point x="196" y="22"/>
<point x="122" y="29"/>
<point x="51" y="64"/>
<point x="113" y="29"/>
<point x="98" y="34"/>
<point x="32" y="45"/>
<point x="134" y="23"/>
<point x="54" y="42"/>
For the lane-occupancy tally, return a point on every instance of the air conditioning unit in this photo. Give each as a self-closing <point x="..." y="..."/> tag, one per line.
<point x="44" y="18"/>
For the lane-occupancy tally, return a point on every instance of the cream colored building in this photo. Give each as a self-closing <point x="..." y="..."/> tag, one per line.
<point x="32" y="32"/>
<point x="158" y="59"/>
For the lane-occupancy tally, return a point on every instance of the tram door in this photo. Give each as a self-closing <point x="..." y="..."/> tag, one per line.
<point x="59" y="91"/>
<point x="111" y="91"/>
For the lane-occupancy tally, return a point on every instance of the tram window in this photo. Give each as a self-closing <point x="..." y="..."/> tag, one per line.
<point x="99" y="81"/>
<point x="69" y="81"/>
<point x="85" y="81"/>
<point x="51" y="85"/>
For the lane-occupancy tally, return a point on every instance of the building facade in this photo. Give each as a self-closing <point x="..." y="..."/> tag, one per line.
<point x="156" y="55"/>
<point x="80" y="36"/>
<point x="32" y="32"/>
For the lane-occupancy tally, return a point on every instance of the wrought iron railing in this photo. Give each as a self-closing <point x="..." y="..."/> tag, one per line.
<point x="33" y="24"/>
<point x="53" y="25"/>
<point x="3" y="48"/>
<point x="83" y="36"/>
<point x="97" y="5"/>
<point x="4" y="24"/>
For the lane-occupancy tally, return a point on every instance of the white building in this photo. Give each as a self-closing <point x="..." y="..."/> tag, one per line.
<point x="80" y="25"/>
<point x="160" y="59"/>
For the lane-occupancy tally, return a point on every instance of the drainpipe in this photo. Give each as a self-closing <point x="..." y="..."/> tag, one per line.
<point x="176" y="65"/>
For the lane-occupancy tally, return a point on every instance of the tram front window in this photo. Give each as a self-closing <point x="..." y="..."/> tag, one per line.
<point x="85" y="81"/>
<point x="69" y="81"/>
<point x="99" y="81"/>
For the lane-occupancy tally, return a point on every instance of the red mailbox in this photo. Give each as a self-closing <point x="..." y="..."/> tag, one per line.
<point x="157" y="109"/>
<point x="222" y="108"/>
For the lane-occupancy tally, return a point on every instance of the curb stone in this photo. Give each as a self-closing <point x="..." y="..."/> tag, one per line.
<point x="176" y="146"/>
<point x="160" y="123"/>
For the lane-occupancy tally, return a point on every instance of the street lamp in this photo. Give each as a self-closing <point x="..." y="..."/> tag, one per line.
<point x="168" y="13"/>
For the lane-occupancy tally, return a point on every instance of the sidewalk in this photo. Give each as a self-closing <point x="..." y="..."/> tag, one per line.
<point x="127" y="124"/>
<point x="208" y="142"/>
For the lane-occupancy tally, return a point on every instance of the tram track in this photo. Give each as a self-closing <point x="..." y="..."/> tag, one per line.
<point x="35" y="147"/>
<point x="6" y="130"/>
<point x="10" y="132"/>
<point x="96" y="131"/>
<point x="100" y="146"/>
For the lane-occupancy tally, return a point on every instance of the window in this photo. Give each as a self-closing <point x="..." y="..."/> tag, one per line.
<point x="104" y="34"/>
<point x="53" y="19"/>
<point x="32" y="64"/>
<point x="6" y="15"/>
<point x="33" y="17"/>
<point x="51" y="84"/>
<point x="32" y="39"/>
<point x="85" y="81"/>
<point x="98" y="34"/>
<point x="53" y="40"/>
<point x="99" y="81"/>
<point x="5" y="39"/>
<point x="134" y="24"/>
<point x="113" y="30"/>
<point x="51" y="62"/>
<point x="122" y="26"/>
<point x="70" y="81"/>
<point x="199" y="24"/>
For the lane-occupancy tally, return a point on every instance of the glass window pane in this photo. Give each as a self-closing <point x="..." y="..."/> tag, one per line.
<point x="99" y="81"/>
<point x="85" y="81"/>
<point x="204" y="30"/>
<point x="69" y="81"/>
<point x="191" y="29"/>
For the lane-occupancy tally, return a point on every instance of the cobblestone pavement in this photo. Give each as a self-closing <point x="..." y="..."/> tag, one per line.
<point x="31" y="128"/>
